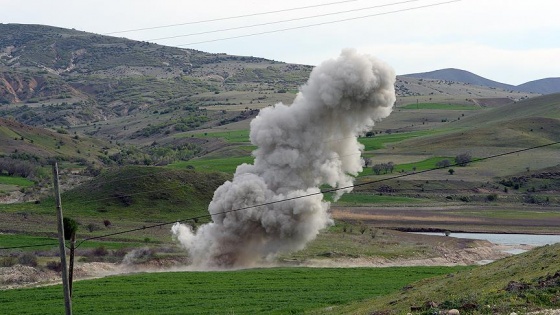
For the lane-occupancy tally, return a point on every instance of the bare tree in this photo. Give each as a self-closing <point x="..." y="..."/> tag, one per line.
<point x="463" y="159"/>
<point x="443" y="163"/>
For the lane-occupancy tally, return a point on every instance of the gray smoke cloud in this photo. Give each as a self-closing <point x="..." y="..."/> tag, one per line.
<point x="301" y="146"/>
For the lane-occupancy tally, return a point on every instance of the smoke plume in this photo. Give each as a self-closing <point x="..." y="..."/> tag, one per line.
<point x="301" y="146"/>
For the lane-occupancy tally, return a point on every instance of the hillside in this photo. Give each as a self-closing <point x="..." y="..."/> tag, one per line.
<point x="458" y="75"/>
<point x="521" y="283"/>
<point x="111" y="77"/>
<point x="20" y="141"/>
<point x="520" y="124"/>
<point x="542" y="86"/>
<point x="91" y="78"/>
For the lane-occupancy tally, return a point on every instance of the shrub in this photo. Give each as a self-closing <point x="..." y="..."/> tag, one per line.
<point x="463" y="159"/>
<point x="100" y="251"/>
<point x="443" y="163"/>
<point x="28" y="259"/>
<point x="92" y="227"/>
<point x="54" y="266"/>
<point x="8" y="261"/>
<point x="464" y="199"/>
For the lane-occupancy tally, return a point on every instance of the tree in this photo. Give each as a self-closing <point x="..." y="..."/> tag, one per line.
<point x="377" y="168"/>
<point x="463" y="159"/>
<point x="443" y="163"/>
<point x="367" y="162"/>
<point x="451" y="171"/>
<point x="390" y="167"/>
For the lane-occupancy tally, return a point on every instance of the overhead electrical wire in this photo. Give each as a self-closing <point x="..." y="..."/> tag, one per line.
<point x="283" y="21"/>
<point x="195" y="218"/>
<point x="316" y="24"/>
<point x="229" y="18"/>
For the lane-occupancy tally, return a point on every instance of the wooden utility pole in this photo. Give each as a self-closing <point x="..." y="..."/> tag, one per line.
<point x="62" y="247"/>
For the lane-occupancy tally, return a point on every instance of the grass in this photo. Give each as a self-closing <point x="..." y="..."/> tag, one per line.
<point x="135" y="193"/>
<point x="423" y="165"/>
<point x="440" y="106"/>
<point x="16" y="181"/>
<point x="379" y="141"/>
<point x="253" y="291"/>
<point x="226" y="165"/>
<point x="353" y="199"/>
<point x="13" y="240"/>
<point x="481" y="290"/>
<point x="233" y="136"/>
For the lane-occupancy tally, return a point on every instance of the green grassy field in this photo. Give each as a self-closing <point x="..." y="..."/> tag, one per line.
<point x="440" y="106"/>
<point x="226" y="165"/>
<point x="229" y="136"/>
<point x="422" y="165"/>
<point x="354" y="199"/>
<point x="16" y="181"/>
<point x="378" y="142"/>
<point x="252" y="291"/>
<point x="13" y="240"/>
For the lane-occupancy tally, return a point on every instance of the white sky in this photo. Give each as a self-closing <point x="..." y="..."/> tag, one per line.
<point x="511" y="41"/>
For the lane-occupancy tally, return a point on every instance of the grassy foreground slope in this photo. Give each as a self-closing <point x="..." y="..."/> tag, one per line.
<point x="521" y="283"/>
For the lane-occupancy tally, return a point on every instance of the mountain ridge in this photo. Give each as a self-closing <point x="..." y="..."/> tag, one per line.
<point x="540" y="86"/>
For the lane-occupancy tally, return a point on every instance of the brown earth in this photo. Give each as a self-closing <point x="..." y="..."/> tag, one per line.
<point x="453" y="218"/>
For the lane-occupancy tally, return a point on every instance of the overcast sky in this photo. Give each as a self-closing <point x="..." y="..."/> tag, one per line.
<point x="511" y="41"/>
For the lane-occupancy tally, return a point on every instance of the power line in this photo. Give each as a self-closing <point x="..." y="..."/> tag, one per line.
<point x="317" y="24"/>
<point x="228" y="18"/>
<point x="317" y="193"/>
<point x="180" y="186"/>
<point x="283" y="21"/>
<point x="195" y="218"/>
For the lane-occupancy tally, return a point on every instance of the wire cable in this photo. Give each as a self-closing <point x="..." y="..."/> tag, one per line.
<point x="316" y="24"/>
<point x="228" y="18"/>
<point x="195" y="218"/>
<point x="282" y="21"/>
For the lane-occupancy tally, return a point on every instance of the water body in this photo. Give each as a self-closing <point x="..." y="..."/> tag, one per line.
<point x="514" y="243"/>
<point x="508" y="239"/>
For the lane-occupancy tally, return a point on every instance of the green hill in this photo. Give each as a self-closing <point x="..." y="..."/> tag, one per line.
<point x="136" y="192"/>
<point x="521" y="283"/>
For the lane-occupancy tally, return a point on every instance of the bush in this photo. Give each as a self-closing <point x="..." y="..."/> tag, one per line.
<point x="54" y="266"/>
<point x="463" y="159"/>
<point x="92" y="227"/>
<point x="492" y="197"/>
<point x="28" y="259"/>
<point x="443" y="163"/>
<point x="100" y="251"/>
<point x="8" y="261"/>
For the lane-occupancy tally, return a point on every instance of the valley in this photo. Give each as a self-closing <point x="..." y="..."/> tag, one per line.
<point x="143" y="142"/>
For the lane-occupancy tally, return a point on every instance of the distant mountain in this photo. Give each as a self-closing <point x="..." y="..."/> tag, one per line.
<point x="543" y="86"/>
<point x="458" y="75"/>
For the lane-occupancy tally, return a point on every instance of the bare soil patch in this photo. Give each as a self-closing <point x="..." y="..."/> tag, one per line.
<point x="464" y="218"/>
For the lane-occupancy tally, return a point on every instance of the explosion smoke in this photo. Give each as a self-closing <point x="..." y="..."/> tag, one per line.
<point x="300" y="147"/>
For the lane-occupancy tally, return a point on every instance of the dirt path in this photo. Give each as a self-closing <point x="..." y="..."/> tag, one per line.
<point x="19" y="276"/>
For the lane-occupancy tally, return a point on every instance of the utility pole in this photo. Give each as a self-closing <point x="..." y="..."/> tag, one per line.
<point x="62" y="247"/>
